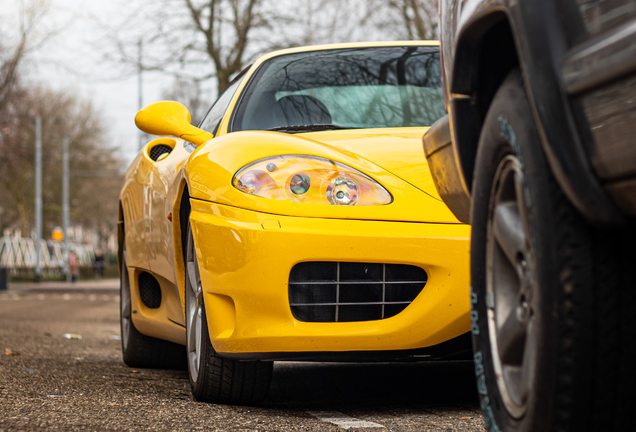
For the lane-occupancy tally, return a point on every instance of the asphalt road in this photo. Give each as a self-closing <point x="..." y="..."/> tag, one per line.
<point x="54" y="383"/>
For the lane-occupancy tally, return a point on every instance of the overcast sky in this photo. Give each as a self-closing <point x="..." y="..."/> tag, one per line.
<point x="70" y="60"/>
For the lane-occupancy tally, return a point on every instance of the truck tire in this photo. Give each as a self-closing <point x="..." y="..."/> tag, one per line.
<point x="553" y="299"/>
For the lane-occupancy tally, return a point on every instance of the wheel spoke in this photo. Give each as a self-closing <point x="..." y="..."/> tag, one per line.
<point x="508" y="231"/>
<point x="194" y="303"/>
<point x="198" y="339"/>
<point x="528" y="365"/>
<point x="511" y="338"/>
<point x="192" y="276"/>
<point x="520" y="192"/>
<point x="190" y="324"/>
<point x="125" y="288"/>
<point x="125" y="307"/>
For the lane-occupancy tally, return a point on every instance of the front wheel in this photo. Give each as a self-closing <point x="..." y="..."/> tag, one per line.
<point x="213" y="378"/>
<point x="552" y="298"/>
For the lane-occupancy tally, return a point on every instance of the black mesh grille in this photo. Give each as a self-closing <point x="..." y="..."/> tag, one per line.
<point x="345" y="292"/>
<point x="149" y="291"/>
<point x="158" y="150"/>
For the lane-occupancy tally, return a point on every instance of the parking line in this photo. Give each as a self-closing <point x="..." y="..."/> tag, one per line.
<point x="343" y="421"/>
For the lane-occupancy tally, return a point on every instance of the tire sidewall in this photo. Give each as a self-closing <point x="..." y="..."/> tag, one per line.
<point x="509" y="129"/>
<point x="198" y="385"/>
<point x="124" y="289"/>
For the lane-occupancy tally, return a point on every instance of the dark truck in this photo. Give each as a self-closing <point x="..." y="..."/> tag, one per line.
<point x="538" y="154"/>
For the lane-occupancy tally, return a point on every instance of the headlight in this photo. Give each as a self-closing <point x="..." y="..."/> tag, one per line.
<point x="310" y="179"/>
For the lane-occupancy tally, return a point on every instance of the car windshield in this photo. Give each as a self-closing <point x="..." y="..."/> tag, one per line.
<point x="344" y="88"/>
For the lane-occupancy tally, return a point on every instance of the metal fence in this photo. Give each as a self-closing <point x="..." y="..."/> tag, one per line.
<point x="18" y="255"/>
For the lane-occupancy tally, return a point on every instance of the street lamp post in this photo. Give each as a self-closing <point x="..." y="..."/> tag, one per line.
<point x="38" y="198"/>
<point x="65" y="206"/>
<point x="139" y="86"/>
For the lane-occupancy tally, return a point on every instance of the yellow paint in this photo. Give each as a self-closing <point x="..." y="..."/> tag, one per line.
<point x="223" y="320"/>
<point x="270" y="224"/>
<point x="170" y="118"/>
<point x="405" y="157"/>
<point x="251" y="266"/>
<point x="246" y="245"/>
<point x="212" y="166"/>
<point x="154" y="322"/>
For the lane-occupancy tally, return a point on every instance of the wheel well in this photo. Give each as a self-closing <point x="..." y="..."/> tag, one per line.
<point x="121" y="232"/>
<point x="485" y="54"/>
<point x="184" y="219"/>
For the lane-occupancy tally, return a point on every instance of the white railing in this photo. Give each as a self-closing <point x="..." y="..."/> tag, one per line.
<point x="18" y="254"/>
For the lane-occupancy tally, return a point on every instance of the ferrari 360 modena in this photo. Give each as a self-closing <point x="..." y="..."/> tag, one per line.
<point x="297" y="221"/>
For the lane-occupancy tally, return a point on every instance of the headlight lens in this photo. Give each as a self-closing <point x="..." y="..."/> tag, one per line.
<point x="310" y="179"/>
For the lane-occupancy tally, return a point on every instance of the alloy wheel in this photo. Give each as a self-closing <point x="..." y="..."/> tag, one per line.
<point x="510" y="296"/>
<point x="194" y="312"/>
<point x="125" y="305"/>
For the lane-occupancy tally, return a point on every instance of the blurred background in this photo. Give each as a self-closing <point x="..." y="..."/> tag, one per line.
<point x="85" y="67"/>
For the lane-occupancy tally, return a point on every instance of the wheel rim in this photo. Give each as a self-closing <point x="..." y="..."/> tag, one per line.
<point x="194" y="312"/>
<point x="124" y="303"/>
<point x="510" y="297"/>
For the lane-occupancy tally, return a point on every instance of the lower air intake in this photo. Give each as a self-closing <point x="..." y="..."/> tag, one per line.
<point x="347" y="292"/>
<point x="149" y="290"/>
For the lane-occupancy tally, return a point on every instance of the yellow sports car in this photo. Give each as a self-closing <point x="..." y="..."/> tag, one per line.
<point x="298" y="221"/>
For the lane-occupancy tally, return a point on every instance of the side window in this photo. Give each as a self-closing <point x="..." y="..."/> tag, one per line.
<point x="213" y="118"/>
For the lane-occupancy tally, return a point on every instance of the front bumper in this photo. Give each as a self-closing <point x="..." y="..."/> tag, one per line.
<point x="245" y="258"/>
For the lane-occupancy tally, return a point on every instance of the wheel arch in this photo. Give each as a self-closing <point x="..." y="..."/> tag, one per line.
<point x="180" y="219"/>
<point x="121" y="233"/>
<point x="486" y="51"/>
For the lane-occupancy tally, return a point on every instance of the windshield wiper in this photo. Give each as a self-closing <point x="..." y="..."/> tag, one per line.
<point x="308" y="128"/>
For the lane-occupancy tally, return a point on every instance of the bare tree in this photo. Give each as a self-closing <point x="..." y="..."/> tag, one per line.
<point x="13" y="48"/>
<point x="18" y="107"/>
<point x="202" y="39"/>
<point x="199" y="39"/>
<point x="312" y="22"/>
<point x="331" y="21"/>
<point x="95" y="166"/>
<point x="419" y="17"/>
<point x="191" y="94"/>
<point x="211" y="19"/>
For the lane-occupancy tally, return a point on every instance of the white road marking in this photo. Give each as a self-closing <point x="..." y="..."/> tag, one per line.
<point x="343" y="421"/>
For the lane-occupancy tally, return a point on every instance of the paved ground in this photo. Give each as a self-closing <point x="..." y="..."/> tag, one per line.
<point x="65" y="384"/>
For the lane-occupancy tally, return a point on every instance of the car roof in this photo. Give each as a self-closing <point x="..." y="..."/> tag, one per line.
<point x="345" y="46"/>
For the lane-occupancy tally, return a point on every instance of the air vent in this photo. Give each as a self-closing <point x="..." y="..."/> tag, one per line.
<point x="347" y="292"/>
<point x="149" y="290"/>
<point x="158" y="150"/>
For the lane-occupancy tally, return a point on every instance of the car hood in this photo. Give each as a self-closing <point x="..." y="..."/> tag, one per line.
<point x="394" y="158"/>
<point x="397" y="150"/>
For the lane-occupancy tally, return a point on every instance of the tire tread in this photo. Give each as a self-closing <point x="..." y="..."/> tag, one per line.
<point x="588" y="282"/>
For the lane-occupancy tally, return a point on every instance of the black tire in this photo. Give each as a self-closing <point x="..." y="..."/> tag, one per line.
<point x="212" y="378"/>
<point x="553" y="300"/>
<point x="138" y="349"/>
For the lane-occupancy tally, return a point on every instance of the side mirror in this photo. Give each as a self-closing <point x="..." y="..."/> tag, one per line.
<point x="170" y="119"/>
